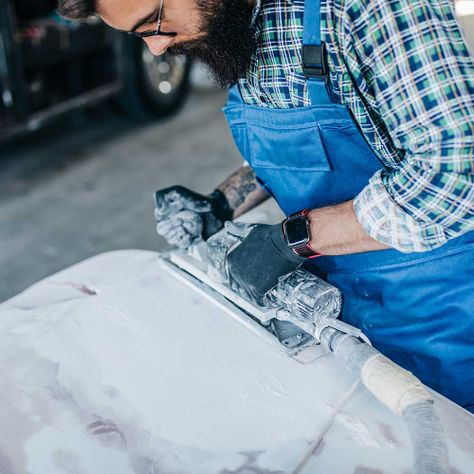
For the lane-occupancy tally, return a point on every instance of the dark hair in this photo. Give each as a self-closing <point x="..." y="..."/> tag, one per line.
<point x="77" y="9"/>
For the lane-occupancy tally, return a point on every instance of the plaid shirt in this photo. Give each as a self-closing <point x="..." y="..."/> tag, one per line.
<point x="403" y="69"/>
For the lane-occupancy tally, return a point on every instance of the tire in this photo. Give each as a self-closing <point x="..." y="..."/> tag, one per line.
<point x="155" y="86"/>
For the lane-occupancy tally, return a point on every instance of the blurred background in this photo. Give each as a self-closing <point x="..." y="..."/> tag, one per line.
<point x="91" y="124"/>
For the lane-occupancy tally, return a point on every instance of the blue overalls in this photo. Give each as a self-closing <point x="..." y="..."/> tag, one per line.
<point x="416" y="308"/>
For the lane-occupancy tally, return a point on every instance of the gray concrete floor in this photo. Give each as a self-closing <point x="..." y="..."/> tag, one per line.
<point x="84" y="190"/>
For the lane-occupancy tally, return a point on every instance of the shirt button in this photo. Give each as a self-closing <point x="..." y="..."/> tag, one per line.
<point x="263" y="99"/>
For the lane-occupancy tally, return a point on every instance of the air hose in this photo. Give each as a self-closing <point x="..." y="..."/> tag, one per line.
<point x="400" y="391"/>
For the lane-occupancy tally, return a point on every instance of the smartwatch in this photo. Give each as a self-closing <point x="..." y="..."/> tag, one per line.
<point x="297" y="232"/>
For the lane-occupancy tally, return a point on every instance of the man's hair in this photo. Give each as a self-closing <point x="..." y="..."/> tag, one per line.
<point x="77" y="9"/>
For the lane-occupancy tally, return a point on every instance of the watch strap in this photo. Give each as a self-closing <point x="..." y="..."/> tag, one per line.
<point x="304" y="250"/>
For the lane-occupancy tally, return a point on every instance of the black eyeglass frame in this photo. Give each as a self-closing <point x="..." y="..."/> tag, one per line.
<point x="157" y="32"/>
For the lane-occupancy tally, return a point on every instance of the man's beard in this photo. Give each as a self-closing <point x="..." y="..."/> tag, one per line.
<point x="229" y="43"/>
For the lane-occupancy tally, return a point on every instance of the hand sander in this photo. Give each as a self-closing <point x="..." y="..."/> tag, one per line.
<point x="295" y="312"/>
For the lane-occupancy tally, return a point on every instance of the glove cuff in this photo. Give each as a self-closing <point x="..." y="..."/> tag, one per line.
<point x="221" y="207"/>
<point x="281" y="245"/>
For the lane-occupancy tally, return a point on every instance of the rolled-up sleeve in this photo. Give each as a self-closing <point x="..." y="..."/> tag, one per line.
<point x="416" y="62"/>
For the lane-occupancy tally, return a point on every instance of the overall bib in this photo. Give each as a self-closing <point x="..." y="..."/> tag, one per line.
<point x="416" y="308"/>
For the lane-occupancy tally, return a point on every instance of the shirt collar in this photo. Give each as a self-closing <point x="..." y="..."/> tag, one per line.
<point x="256" y="11"/>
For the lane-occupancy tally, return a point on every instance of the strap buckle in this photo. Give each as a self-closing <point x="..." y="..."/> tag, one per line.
<point x="315" y="61"/>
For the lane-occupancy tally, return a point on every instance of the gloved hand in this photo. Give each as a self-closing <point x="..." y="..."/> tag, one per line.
<point x="184" y="217"/>
<point x="255" y="266"/>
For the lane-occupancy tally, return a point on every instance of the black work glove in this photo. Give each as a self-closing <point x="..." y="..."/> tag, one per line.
<point x="255" y="266"/>
<point x="183" y="217"/>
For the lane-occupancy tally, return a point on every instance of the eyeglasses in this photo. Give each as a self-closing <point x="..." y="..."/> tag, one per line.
<point x="157" y="32"/>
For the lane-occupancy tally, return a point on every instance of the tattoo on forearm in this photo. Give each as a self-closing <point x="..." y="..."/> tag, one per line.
<point x="238" y="186"/>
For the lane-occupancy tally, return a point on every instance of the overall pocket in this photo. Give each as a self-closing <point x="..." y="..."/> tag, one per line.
<point x="287" y="147"/>
<point x="347" y="149"/>
<point x="289" y="160"/>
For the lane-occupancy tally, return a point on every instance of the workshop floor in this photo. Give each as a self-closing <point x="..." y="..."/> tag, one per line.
<point x="74" y="193"/>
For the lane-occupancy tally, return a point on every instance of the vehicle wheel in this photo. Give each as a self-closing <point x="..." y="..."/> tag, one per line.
<point x="155" y="85"/>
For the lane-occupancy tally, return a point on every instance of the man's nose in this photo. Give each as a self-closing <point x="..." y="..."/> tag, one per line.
<point x="158" y="44"/>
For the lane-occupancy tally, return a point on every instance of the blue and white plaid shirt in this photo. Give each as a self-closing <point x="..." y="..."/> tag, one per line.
<point x="404" y="70"/>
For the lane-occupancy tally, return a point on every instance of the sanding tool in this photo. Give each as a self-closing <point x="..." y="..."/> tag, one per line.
<point x="295" y="312"/>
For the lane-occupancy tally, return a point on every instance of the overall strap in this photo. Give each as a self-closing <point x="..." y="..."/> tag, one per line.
<point x="314" y="54"/>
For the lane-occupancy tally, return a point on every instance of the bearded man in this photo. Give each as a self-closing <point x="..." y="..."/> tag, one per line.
<point x="357" y="116"/>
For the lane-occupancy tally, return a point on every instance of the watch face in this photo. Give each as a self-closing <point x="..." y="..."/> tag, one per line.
<point x="297" y="231"/>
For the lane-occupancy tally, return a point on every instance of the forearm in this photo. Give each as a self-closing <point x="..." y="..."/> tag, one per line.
<point x="335" y="230"/>
<point x="242" y="191"/>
